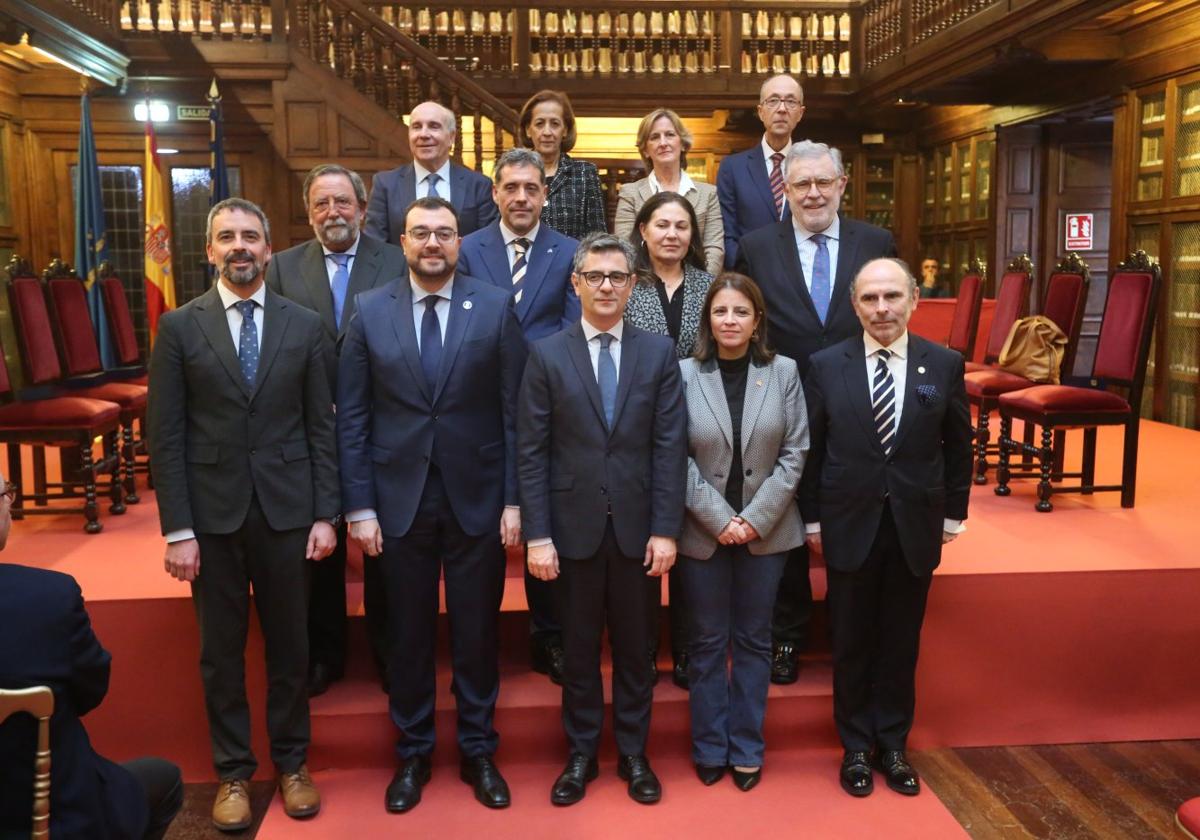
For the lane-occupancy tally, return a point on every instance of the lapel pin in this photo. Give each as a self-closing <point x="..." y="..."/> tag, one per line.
<point x="921" y="369"/>
<point x="467" y="305"/>
<point x="758" y="383"/>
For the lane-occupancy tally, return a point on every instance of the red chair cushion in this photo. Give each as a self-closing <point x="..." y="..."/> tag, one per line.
<point x="116" y="306"/>
<point x="1188" y="816"/>
<point x="1010" y="305"/>
<point x="1048" y="399"/>
<point x="1125" y="316"/>
<point x="130" y="397"/>
<point x="977" y="367"/>
<point x="80" y="353"/>
<point x="991" y="383"/>
<point x="33" y="327"/>
<point x="966" y="306"/>
<point x="58" y="413"/>
<point x="1064" y="296"/>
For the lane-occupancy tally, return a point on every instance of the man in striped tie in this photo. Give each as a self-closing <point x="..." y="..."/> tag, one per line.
<point x="884" y="487"/>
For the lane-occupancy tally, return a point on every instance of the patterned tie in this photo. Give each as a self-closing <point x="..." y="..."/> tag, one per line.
<point x="777" y="183"/>
<point x="883" y="401"/>
<point x="432" y="181"/>
<point x="521" y="246"/>
<point x="820" y="279"/>
<point x="248" y="342"/>
<point x="341" y="282"/>
<point x="431" y="342"/>
<point x="607" y="378"/>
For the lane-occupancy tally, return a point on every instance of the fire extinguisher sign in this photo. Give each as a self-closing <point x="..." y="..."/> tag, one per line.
<point x="1079" y="231"/>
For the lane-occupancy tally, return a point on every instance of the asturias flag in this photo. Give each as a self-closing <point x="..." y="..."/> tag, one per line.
<point x="160" y="282"/>
<point x="91" y="232"/>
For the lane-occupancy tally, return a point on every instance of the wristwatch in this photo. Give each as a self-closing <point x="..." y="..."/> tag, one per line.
<point x="334" y="522"/>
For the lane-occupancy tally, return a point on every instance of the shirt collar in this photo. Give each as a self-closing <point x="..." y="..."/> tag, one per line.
<point x="509" y="236"/>
<point x="686" y="184"/>
<point x="768" y="151"/>
<point x="590" y="332"/>
<point x="833" y="231"/>
<point x="898" y="348"/>
<point x="350" y="252"/>
<point x="423" y="173"/>
<point x="420" y="294"/>
<point x="229" y="298"/>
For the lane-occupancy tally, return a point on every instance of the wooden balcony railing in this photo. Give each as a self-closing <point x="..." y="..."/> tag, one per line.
<point x="106" y="13"/>
<point x="891" y="26"/>
<point x="248" y="19"/>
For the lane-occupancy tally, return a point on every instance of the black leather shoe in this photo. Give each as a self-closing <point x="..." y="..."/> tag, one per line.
<point x="679" y="671"/>
<point x="746" y="780"/>
<point x="571" y="784"/>
<point x="643" y="784"/>
<point x="785" y="663"/>
<point x="546" y="656"/>
<point x="404" y="791"/>
<point x="709" y="775"/>
<point x="900" y="775"/>
<point x="320" y="677"/>
<point x="856" y="775"/>
<point x="481" y="773"/>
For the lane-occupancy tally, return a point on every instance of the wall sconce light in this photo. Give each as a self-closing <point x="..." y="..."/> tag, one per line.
<point x="157" y="112"/>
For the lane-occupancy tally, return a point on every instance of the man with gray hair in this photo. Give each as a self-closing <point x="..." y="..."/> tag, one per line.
<point x="324" y="274"/>
<point x="602" y="464"/>
<point x="804" y="265"/>
<point x="431" y="132"/>
<point x="533" y="261"/>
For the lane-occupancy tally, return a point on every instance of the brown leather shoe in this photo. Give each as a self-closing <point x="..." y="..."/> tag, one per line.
<point x="231" y="808"/>
<point x="300" y="797"/>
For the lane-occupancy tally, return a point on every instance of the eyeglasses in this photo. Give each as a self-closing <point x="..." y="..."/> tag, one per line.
<point x="444" y="235"/>
<point x="773" y="102"/>
<point x="595" y="279"/>
<point x="822" y="184"/>
<point x="340" y="202"/>
<point x="9" y="491"/>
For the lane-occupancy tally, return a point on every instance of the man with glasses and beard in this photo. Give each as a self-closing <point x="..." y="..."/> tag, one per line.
<point x="324" y="274"/>
<point x="241" y="433"/>
<point x="426" y="425"/>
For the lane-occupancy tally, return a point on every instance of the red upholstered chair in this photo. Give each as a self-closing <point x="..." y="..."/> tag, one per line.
<point x="965" y="325"/>
<point x="1121" y="356"/>
<point x="1065" y="300"/>
<point x="1012" y="302"/>
<point x="120" y="327"/>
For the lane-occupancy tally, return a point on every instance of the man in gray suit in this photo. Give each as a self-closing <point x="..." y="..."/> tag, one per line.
<point x="325" y="274"/>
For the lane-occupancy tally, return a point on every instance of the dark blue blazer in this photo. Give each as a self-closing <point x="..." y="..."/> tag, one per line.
<point x="549" y="302"/>
<point x="392" y="191"/>
<point x="390" y="426"/>
<point x="746" y="200"/>
<point x="47" y="639"/>
<point x="574" y="469"/>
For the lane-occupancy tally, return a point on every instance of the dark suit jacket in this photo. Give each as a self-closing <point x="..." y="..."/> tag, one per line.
<point x="769" y="256"/>
<point x="392" y="191"/>
<point x="548" y="303"/>
<point x="744" y="191"/>
<point x="47" y="639"/>
<point x="214" y="441"/>
<point x="848" y="479"/>
<point x="573" y="467"/>
<point x="389" y="424"/>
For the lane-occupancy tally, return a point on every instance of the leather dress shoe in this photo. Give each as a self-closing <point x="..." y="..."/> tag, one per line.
<point x="709" y="775"/>
<point x="679" y="671"/>
<point x="644" y="786"/>
<point x="900" y="775"/>
<point x="404" y="791"/>
<point x="481" y="773"/>
<point x="546" y="656"/>
<point x="785" y="663"/>
<point x="320" y="677"/>
<point x="856" y="775"/>
<point x="300" y="796"/>
<point x="231" y="808"/>
<point x="571" y="784"/>
<point x="745" y="780"/>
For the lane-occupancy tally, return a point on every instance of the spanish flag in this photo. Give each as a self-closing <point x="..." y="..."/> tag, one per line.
<point x="160" y="284"/>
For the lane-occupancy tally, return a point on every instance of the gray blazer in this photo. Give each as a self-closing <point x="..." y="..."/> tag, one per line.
<point x="774" y="446"/>
<point x="702" y="197"/>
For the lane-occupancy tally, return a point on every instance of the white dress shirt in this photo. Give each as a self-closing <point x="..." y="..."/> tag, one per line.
<point x="442" y="307"/>
<point x="510" y="238"/>
<point x="808" y="250"/>
<point x="593" y="344"/>
<point x="685" y="183"/>
<point x="443" y="186"/>
<point x="331" y="266"/>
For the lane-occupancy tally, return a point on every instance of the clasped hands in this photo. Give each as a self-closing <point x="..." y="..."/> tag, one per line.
<point x="737" y="532"/>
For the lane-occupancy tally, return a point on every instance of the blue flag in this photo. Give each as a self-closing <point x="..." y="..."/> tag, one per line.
<point x="91" y="232"/>
<point x="218" y="177"/>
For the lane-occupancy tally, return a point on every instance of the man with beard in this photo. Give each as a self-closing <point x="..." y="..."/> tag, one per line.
<point x="241" y="435"/>
<point x="324" y="274"/>
<point x="426" y="425"/>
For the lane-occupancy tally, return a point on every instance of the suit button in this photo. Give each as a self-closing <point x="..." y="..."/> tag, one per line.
<point x="435" y="417"/>
<point x="252" y="451"/>
<point x="603" y="491"/>
<point x="748" y="472"/>
<point x="253" y="413"/>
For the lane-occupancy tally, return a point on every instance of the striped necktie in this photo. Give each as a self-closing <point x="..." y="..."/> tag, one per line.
<point x="883" y="401"/>
<point x="432" y="182"/>
<point x="777" y="183"/>
<point x="521" y="246"/>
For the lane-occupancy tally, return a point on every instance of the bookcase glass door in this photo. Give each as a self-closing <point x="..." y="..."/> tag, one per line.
<point x="1183" y="325"/>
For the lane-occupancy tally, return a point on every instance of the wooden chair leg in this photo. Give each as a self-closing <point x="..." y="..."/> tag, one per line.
<point x="1088" y="471"/>
<point x="1027" y="438"/>
<point x="39" y="475"/>
<point x="1129" y="465"/>
<point x="982" y="436"/>
<point x="112" y="454"/>
<point x="1046" y="461"/>
<point x="1060" y="454"/>
<point x="1002" y="473"/>
<point x="90" y="510"/>
<point x="14" y="475"/>
<point x="127" y="459"/>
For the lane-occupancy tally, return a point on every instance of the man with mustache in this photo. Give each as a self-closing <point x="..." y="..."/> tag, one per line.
<point x="324" y="275"/>
<point x="242" y="443"/>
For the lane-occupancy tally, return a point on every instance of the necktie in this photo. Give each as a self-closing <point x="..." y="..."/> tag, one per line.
<point x="248" y="342"/>
<point x="341" y="282"/>
<point x="519" y="265"/>
<point x="607" y="378"/>
<point x="883" y="401"/>
<point x="820" y="278"/>
<point x="432" y="181"/>
<point x="431" y="342"/>
<point x="777" y="183"/>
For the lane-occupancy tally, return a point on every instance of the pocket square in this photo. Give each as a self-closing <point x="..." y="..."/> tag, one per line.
<point x="928" y="394"/>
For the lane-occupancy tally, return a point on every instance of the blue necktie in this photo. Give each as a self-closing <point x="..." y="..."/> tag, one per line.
<point x="883" y="401"/>
<point x="607" y="377"/>
<point x="432" y="181"/>
<point x="820" y="279"/>
<point x="248" y="342"/>
<point x="431" y="342"/>
<point x="341" y="282"/>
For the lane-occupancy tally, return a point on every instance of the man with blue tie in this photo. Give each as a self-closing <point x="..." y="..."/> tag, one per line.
<point x="431" y="131"/>
<point x="533" y="261"/>
<point x="804" y="266"/>
<point x="426" y="422"/>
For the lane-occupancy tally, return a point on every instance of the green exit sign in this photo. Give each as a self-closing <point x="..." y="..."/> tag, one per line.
<point x="191" y="112"/>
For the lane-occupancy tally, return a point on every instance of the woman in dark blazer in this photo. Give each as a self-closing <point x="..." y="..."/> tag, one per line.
<point x="747" y="441"/>
<point x="574" y="200"/>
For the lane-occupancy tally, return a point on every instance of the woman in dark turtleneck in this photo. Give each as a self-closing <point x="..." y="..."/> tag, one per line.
<point x="747" y="440"/>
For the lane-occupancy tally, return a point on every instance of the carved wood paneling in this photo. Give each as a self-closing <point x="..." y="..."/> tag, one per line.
<point x="306" y="128"/>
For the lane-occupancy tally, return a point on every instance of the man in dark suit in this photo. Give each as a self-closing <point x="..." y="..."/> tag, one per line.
<point x="245" y="468"/>
<point x="324" y="275"/>
<point x="431" y="130"/>
<point x="750" y="183"/>
<point x="47" y="639"/>
<point x="532" y="261"/>
<point x="427" y="402"/>
<point x="886" y="484"/>
<point x="603" y="461"/>
<point x="804" y="265"/>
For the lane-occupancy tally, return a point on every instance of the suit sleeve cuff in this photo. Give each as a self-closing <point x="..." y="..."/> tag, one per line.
<point x="180" y="535"/>
<point x="361" y="515"/>
<point x="539" y="542"/>
<point x="953" y="526"/>
<point x="812" y="527"/>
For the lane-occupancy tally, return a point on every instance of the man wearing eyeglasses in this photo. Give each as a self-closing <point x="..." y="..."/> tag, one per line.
<point x="602" y="463"/>
<point x="750" y="183"/>
<point x="804" y="265"/>
<point x="324" y="275"/>
<point x="426" y="420"/>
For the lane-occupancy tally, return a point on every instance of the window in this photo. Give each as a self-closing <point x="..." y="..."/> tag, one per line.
<point x="190" y="189"/>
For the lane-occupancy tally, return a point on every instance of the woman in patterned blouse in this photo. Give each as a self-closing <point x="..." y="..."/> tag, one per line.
<point x="574" y="200"/>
